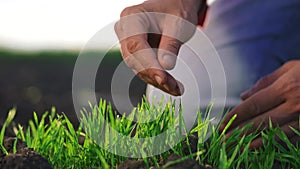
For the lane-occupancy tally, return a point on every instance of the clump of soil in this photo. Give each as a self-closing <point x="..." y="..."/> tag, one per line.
<point x="24" y="158"/>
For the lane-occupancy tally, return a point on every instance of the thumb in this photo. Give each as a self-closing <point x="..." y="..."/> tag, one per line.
<point x="168" y="51"/>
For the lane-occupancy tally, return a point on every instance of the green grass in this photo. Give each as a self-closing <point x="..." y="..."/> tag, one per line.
<point x="58" y="141"/>
<point x="10" y="117"/>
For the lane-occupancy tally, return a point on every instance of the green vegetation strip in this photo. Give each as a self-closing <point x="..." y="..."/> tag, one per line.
<point x="112" y="55"/>
<point x="58" y="141"/>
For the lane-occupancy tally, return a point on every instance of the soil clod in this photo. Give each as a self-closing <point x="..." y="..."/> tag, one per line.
<point x="24" y="158"/>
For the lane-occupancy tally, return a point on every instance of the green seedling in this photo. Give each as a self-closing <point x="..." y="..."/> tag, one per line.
<point x="10" y="117"/>
<point x="59" y="141"/>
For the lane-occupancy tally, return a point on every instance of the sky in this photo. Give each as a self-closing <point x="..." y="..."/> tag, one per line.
<point x="55" y="24"/>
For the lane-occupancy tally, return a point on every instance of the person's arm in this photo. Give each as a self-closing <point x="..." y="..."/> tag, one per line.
<point x="137" y="43"/>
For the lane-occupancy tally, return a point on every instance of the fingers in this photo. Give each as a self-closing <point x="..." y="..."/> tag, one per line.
<point x="139" y="56"/>
<point x="171" y="85"/>
<point x="175" y="32"/>
<point x="274" y="100"/>
<point x="168" y="51"/>
<point x="258" y="103"/>
<point x="138" y="35"/>
<point x="281" y="86"/>
<point x="276" y="116"/>
<point x="265" y="82"/>
<point x="291" y="135"/>
<point x="137" y="52"/>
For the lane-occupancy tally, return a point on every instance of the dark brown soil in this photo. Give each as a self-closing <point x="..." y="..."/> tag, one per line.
<point x="24" y="158"/>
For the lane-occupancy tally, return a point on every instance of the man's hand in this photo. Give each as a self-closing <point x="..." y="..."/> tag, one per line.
<point x="139" y="47"/>
<point x="275" y="97"/>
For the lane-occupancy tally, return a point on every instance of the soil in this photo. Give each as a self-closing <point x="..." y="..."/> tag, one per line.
<point x="24" y="158"/>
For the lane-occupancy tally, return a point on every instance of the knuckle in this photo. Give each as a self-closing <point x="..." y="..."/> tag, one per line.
<point x="290" y="87"/>
<point x="126" y="11"/>
<point x="116" y="27"/>
<point x="296" y="107"/>
<point x="254" y="106"/>
<point x="130" y="61"/>
<point x="294" y="103"/>
<point x="131" y="10"/>
<point x="291" y="63"/>
<point x="185" y="14"/>
<point x="263" y="81"/>
<point x="173" y="46"/>
<point x="133" y="46"/>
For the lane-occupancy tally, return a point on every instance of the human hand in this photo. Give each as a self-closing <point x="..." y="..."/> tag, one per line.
<point x="275" y="97"/>
<point x="150" y="54"/>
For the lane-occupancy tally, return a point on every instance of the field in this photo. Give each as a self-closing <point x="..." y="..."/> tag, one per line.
<point x="35" y="82"/>
<point x="96" y="146"/>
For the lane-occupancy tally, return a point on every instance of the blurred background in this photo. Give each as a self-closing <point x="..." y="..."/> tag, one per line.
<point x="39" y="44"/>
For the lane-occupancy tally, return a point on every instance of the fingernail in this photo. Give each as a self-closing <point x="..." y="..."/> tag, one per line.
<point x="180" y="87"/>
<point x="168" y="58"/>
<point x="166" y="87"/>
<point x="168" y="61"/>
<point x="158" y="79"/>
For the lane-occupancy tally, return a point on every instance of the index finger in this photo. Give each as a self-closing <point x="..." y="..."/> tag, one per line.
<point x="139" y="56"/>
<point x="265" y="81"/>
<point x="258" y="103"/>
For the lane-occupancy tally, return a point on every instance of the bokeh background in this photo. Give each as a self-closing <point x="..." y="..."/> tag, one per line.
<point x="39" y="44"/>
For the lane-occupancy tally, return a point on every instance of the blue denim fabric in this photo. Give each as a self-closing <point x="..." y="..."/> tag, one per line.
<point x="253" y="38"/>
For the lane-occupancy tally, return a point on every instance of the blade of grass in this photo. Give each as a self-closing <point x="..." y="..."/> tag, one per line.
<point x="10" y="117"/>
